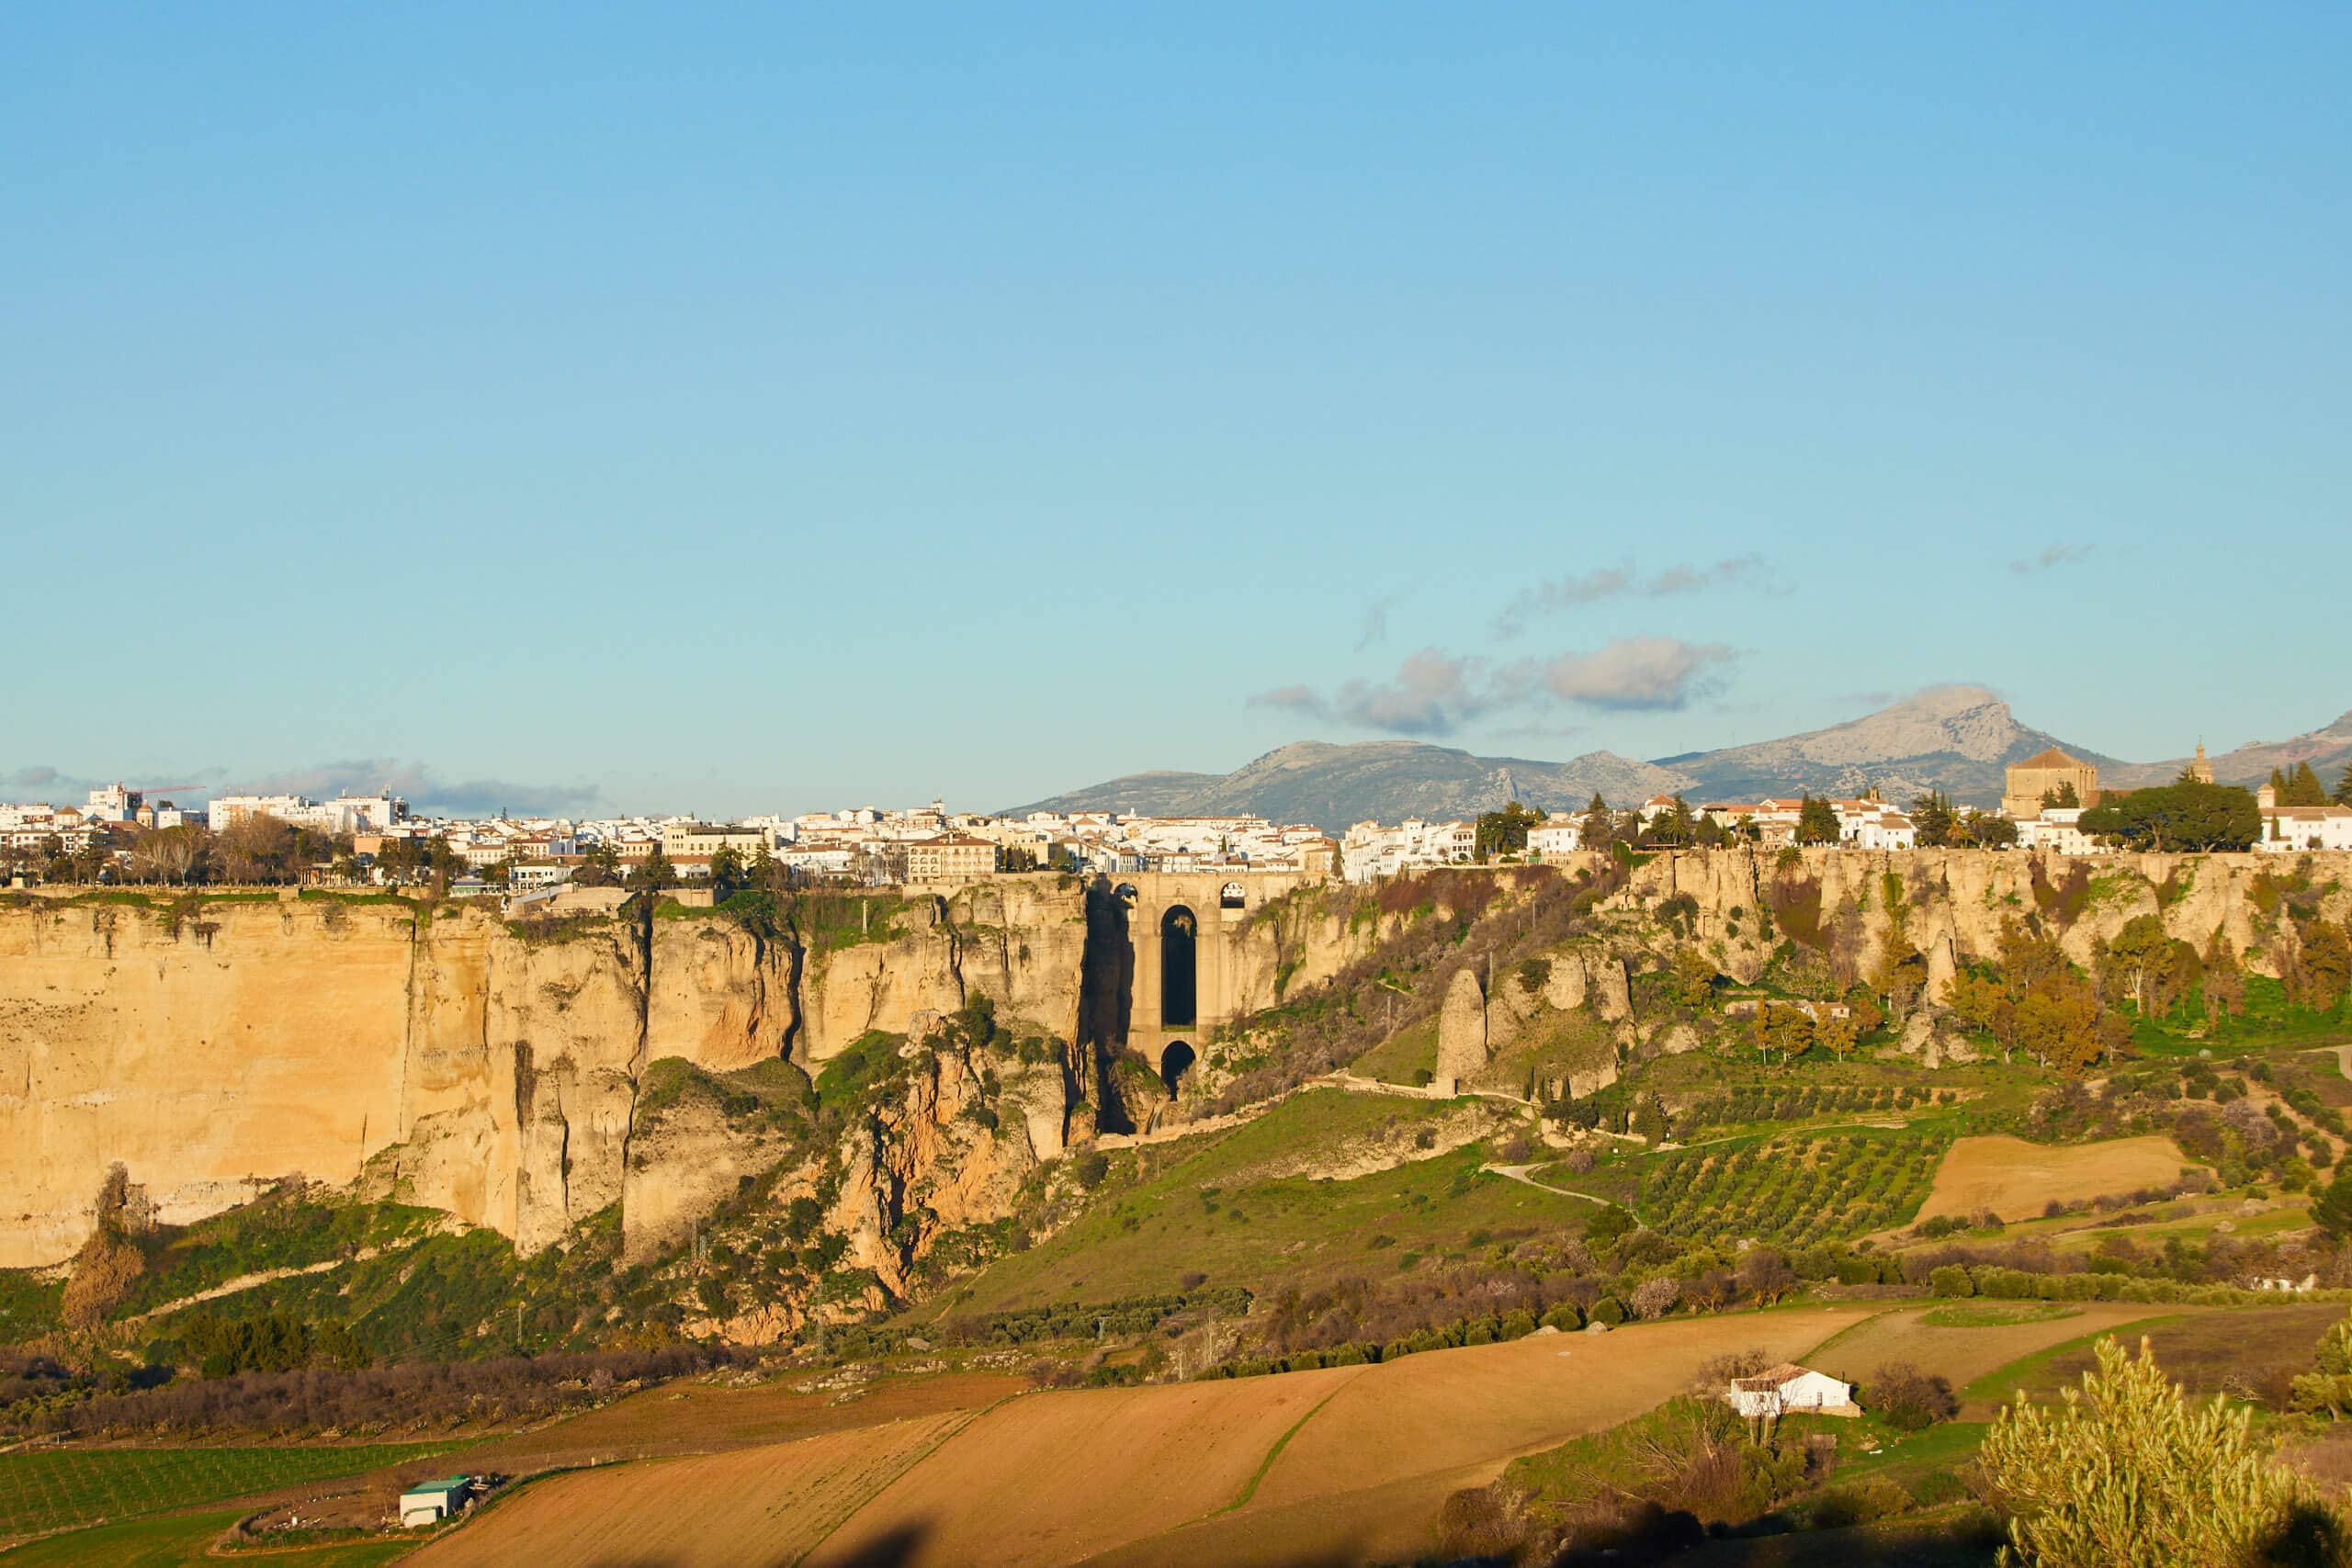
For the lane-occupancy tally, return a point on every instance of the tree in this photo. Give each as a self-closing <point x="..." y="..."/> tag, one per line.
<point x="1984" y="829"/>
<point x="2330" y="1387"/>
<point x="1837" y="1035"/>
<point x="2342" y="795"/>
<point x="2057" y="1020"/>
<point x="2143" y="957"/>
<point x="2178" y="817"/>
<point x="1909" y="1399"/>
<point x="1695" y="977"/>
<point x="1599" y="830"/>
<point x="729" y="874"/>
<point x="1931" y="814"/>
<point x="653" y="872"/>
<point x="2332" y="1211"/>
<point x="1671" y="827"/>
<point x="2126" y="1472"/>
<point x="2224" y="982"/>
<point x="1649" y="1120"/>
<point x="1504" y="832"/>
<point x="1782" y="1028"/>
<point x="2320" y="968"/>
<point x="1766" y="1275"/>
<point x="2303" y="787"/>
<point x="1817" y="821"/>
<point x="2065" y="798"/>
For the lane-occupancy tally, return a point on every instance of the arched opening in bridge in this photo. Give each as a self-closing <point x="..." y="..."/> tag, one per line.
<point x="1230" y="897"/>
<point x="1174" y="1063"/>
<point x="1106" y="973"/>
<point x="1178" y="991"/>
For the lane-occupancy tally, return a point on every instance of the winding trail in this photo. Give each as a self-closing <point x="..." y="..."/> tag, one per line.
<point x="1519" y="1173"/>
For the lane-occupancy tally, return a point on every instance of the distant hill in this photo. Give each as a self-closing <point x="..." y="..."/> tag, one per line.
<point x="1311" y="781"/>
<point x="1955" y="738"/>
<point x="2327" y="750"/>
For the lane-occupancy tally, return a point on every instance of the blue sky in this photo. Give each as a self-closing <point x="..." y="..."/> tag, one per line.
<point x="743" y="410"/>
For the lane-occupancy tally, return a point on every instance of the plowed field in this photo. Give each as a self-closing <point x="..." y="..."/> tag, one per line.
<point x="755" y="1506"/>
<point x="2015" y="1178"/>
<point x="1350" y="1463"/>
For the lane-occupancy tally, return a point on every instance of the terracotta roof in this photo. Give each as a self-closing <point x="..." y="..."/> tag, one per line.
<point x="1768" y="1379"/>
<point x="2050" y="757"/>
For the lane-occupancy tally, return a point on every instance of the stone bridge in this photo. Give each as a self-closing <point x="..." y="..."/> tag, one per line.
<point x="1177" y="943"/>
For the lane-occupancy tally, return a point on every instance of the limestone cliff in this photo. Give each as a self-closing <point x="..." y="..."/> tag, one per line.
<point x="494" y="1070"/>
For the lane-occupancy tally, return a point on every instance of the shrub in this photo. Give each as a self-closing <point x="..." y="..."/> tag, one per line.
<point x="1950" y="1280"/>
<point x="1908" y="1399"/>
<point x="1091" y="1168"/>
<point x="2128" y="1472"/>
<point x="1608" y="1309"/>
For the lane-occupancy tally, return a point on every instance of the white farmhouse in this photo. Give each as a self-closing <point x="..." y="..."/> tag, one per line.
<point x="1776" y="1391"/>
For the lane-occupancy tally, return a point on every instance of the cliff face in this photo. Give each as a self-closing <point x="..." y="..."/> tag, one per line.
<point x="458" y="1063"/>
<point x="1955" y="903"/>
<point x="453" y="1061"/>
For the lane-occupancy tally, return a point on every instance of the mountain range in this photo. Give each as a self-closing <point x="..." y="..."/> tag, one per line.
<point x="1955" y="738"/>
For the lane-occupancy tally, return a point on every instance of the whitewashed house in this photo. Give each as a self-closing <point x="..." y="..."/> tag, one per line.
<point x="2055" y="829"/>
<point x="1548" y="840"/>
<point x="1776" y="1391"/>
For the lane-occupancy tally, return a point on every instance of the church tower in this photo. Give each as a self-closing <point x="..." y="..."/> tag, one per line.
<point x="2200" y="769"/>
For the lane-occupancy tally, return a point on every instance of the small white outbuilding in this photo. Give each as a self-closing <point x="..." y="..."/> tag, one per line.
<point x="1776" y="1391"/>
<point x="429" y="1502"/>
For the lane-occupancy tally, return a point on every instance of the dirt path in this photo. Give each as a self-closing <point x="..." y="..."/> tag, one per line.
<point x="246" y="1282"/>
<point x="1519" y="1173"/>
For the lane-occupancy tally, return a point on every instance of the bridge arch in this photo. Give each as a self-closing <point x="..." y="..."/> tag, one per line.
<point x="1174" y="1063"/>
<point x="1179" y="967"/>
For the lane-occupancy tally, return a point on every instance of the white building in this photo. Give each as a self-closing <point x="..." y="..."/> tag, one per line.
<point x="1371" y="851"/>
<point x="346" y="814"/>
<point x="1562" y="836"/>
<point x="2295" y="829"/>
<point x="429" y="1502"/>
<point x="2055" y="829"/>
<point x="1776" y="1391"/>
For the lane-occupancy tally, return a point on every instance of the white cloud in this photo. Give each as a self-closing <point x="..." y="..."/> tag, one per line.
<point x="1560" y="593"/>
<point x="1629" y="673"/>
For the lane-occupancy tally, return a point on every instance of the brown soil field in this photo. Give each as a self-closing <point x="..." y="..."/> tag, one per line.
<point x="1964" y="1355"/>
<point x="696" y="1417"/>
<point x="1346" y="1461"/>
<point x="1364" y="1479"/>
<point x="2015" y="1178"/>
<point x="766" y="1505"/>
<point x="672" y="1420"/>
<point x="1343" y="1464"/>
<point x="1059" y="1477"/>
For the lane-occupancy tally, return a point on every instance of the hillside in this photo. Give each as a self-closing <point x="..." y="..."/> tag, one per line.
<point x="1955" y="738"/>
<point x="1313" y="781"/>
<point x="2328" y="749"/>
